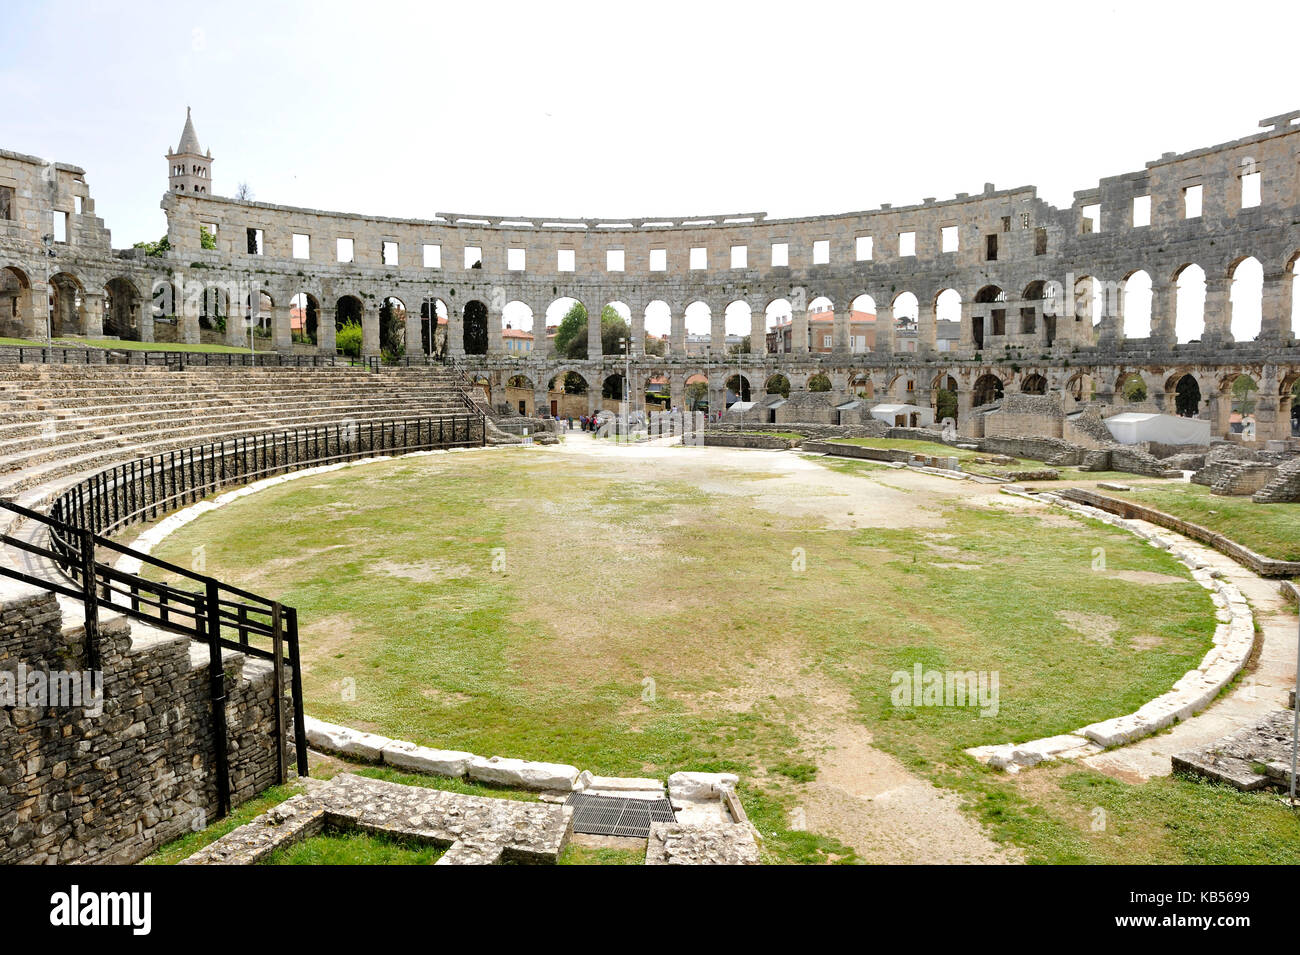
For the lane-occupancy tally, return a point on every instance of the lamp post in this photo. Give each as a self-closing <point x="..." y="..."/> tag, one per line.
<point x="48" y="241"/>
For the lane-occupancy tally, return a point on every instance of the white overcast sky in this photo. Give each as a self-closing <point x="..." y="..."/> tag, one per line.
<point x="553" y="109"/>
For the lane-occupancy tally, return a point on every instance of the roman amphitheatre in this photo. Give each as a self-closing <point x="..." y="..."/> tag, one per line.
<point x="962" y="531"/>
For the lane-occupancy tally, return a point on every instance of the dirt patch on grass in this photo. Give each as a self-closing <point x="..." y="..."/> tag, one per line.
<point x="1096" y="628"/>
<point x="1146" y="577"/>
<point x="425" y="572"/>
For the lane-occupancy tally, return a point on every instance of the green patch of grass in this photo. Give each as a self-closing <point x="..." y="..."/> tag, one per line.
<point x="593" y="614"/>
<point x="355" y="848"/>
<point x="589" y="855"/>
<point x="1269" y="529"/>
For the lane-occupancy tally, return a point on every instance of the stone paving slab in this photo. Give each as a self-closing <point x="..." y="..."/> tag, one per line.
<point x="1239" y="758"/>
<point x="476" y="829"/>
<point x="673" y="843"/>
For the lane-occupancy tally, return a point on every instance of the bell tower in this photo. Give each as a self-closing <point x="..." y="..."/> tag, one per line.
<point x="189" y="167"/>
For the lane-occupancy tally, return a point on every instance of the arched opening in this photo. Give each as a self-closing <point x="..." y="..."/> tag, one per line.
<point x="943" y="397"/>
<point x="615" y="329"/>
<point x="778" y="325"/>
<point x="1136" y="299"/>
<point x="696" y="393"/>
<point x="947" y="320"/>
<point x="121" y="309"/>
<point x="1187" y="397"/>
<point x="907" y="316"/>
<point x="1246" y="295"/>
<point x="862" y="325"/>
<point x="1189" y="304"/>
<point x="737" y="389"/>
<point x="988" y="389"/>
<point x="475" y="337"/>
<point x="614" y="388"/>
<point x="777" y="384"/>
<point x="821" y="324"/>
<point x="258" y="306"/>
<point x="819" y="382"/>
<point x="738" y="327"/>
<point x="433" y="318"/>
<point x="1089" y="306"/>
<point x="15" y="289"/>
<point x="392" y="326"/>
<point x="1132" y="388"/>
<point x="989" y="316"/>
<point x="569" y="316"/>
<point x="658" y="328"/>
<point x="521" y="396"/>
<point x="348" y="335"/>
<point x="1244" y="396"/>
<point x="699" y="330"/>
<point x="861" y="385"/>
<point x="1034" y="384"/>
<point x="65" y="302"/>
<point x="304" y="319"/>
<point x="517" y="338"/>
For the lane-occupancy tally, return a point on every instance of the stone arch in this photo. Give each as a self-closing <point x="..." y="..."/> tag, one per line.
<point x="474" y="316"/>
<point x="304" y="318"/>
<point x="778" y="322"/>
<point x="987" y="389"/>
<point x="1033" y="384"/>
<point x="65" y="299"/>
<point x="738" y="322"/>
<point x="1246" y="298"/>
<point x="1131" y="388"/>
<point x="1135" y="299"/>
<point x="122" y="301"/>
<point x="1186" y="392"/>
<point x="1189" y="303"/>
<point x="777" y="383"/>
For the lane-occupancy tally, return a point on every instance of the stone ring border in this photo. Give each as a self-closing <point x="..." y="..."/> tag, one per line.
<point x="1195" y="690"/>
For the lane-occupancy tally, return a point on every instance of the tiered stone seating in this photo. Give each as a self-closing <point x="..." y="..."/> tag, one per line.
<point x="59" y="422"/>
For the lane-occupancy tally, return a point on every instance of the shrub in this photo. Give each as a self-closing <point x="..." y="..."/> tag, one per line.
<point x="348" y="340"/>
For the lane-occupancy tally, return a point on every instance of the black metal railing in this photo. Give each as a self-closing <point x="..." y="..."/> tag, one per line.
<point x="147" y="488"/>
<point x="196" y="605"/>
<point x="185" y="601"/>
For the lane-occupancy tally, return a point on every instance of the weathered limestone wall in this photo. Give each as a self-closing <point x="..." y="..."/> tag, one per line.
<point x="110" y="788"/>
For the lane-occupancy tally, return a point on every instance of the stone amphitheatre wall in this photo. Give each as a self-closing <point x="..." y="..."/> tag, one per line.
<point x="112" y="787"/>
<point x="1011" y="250"/>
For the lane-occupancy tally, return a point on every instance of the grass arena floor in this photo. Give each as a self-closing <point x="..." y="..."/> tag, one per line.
<point x="639" y="610"/>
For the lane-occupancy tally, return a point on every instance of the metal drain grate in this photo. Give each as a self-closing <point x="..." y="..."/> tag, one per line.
<point x="617" y="815"/>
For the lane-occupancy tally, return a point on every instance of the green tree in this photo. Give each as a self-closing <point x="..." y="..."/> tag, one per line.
<point x="1243" y="394"/>
<point x="206" y="239"/>
<point x="571" y="336"/>
<point x="945" y="404"/>
<point x="697" y="393"/>
<point x="155" y="249"/>
<point x="392" y="329"/>
<point x="819" y="382"/>
<point x="654" y="346"/>
<point x="612" y="328"/>
<point x="348" y="339"/>
<point x="1134" y="390"/>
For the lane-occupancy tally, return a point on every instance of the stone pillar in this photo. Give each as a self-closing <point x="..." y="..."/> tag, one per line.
<point x="236" y="324"/>
<point x="1218" y="311"/>
<point x="757" y="331"/>
<point x="965" y="422"/>
<point x="718" y="334"/>
<point x="92" y="315"/>
<point x="496" y="342"/>
<point x="840" y="328"/>
<point x="541" y="402"/>
<point x="594" y="347"/>
<point x="326" y="321"/>
<point x="676" y="391"/>
<point x="282" y="330"/>
<point x="638" y="331"/>
<point x="677" y="335"/>
<point x="541" y="341"/>
<point x="967" y="327"/>
<point x="885" y="329"/>
<point x="414" y="328"/>
<point x="144" y="316"/>
<point x="1220" y="405"/>
<point x="1164" y="301"/>
<point x="188" y="316"/>
<point x="455" y="332"/>
<point x="369" y="331"/>
<point x="37" y="311"/>
<point x="1276" y="307"/>
<point x="927" y="329"/>
<point x="799" y="331"/>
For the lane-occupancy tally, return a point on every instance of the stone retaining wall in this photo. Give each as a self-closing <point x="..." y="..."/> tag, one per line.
<point x="1264" y="566"/>
<point x="111" y="788"/>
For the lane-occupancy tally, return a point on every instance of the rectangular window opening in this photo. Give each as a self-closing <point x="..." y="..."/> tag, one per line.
<point x="613" y="260"/>
<point x="1250" y="190"/>
<point x="388" y="252"/>
<point x="864" y="248"/>
<point x="658" y="260"/>
<point x="301" y="245"/>
<point x="565" y="260"/>
<point x="1090" y="218"/>
<point x="780" y="255"/>
<point x="1141" y="211"/>
<point x="948" y="236"/>
<point x="822" y="252"/>
<point x="739" y="257"/>
<point x="254" y="241"/>
<point x="699" y="259"/>
<point x="432" y="256"/>
<point x="515" y="259"/>
<point x="473" y="257"/>
<point x="906" y="244"/>
<point x="1192" y="202"/>
<point x="345" y="250"/>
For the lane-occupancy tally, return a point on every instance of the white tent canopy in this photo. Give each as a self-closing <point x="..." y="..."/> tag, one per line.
<point x="1133" y="428"/>
<point x="890" y="413"/>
